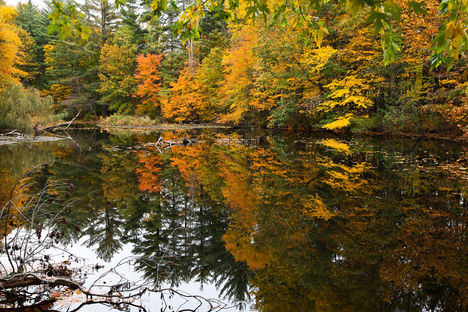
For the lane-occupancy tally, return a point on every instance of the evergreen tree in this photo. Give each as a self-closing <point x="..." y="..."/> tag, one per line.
<point x="35" y="22"/>
<point x="102" y="15"/>
<point x="72" y="73"/>
<point x="131" y="13"/>
<point x="172" y="49"/>
<point x="214" y="34"/>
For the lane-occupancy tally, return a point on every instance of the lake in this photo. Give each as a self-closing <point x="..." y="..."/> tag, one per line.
<point x="259" y="220"/>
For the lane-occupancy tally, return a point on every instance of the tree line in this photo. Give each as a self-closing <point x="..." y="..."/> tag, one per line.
<point x="399" y="66"/>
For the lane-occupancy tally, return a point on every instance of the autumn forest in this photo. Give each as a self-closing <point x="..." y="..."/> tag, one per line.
<point x="395" y="66"/>
<point x="234" y="155"/>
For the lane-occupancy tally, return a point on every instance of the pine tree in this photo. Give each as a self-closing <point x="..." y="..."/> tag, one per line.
<point x="35" y="22"/>
<point x="133" y="20"/>
<point x="102" y="15"/>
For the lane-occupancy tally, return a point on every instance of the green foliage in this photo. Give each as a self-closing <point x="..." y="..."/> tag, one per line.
<point x="451" y="42"/>
<point x="243" y="62"/>
<point x="116" y="67"/>
<point x="74" y="65"/>
<point x="214" y="34"/>
<point x="404" y="117"/>
<point x="131" y="17"/>
<point x="285" y="114"/>
<point x="372" y="123"/>
<point x="101" y="16"/>
<point x="35" y="22"/>
<point x="209" y="77"/>
<point x="22" y="108"/>
<point x="67" y="21"/>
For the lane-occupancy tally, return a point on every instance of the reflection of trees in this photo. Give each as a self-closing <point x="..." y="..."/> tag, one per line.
<point x="429" y="251"/>
<point x="16" y="159"/>
<point x="335" y="230"/>
<point x="105" y="232"/>
<point x="325" y="226"/>
<point x="114" y="196"/>
<point x="91" y="187"/>
<point x="179" y="237"/>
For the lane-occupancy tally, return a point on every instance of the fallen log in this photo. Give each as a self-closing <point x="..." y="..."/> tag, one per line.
<point x="12" y="133"/>
<point x="38" y="307"/>
<point x="184" y="141"/>
<point x="32" y="279"/>
<point x="64" y="125"/>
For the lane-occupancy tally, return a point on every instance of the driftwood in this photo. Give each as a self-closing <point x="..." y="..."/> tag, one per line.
<point x="183" y="141"/>
<point x="62" y="126"/>
<point x="162" y="144"/>
<point x="39" y="307"/>
<point x="35" y="279"/>
<point x="12" y="133"/>
<point x="117" y="296"/>
<point x="50" y="129"/>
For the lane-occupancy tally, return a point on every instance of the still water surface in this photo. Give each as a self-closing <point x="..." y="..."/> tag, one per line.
<point x="267" y="221"/>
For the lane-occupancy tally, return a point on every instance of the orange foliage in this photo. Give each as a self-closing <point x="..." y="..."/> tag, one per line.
<point x="188" y="161"/>
<point x="419" y="30"/>
<point x="243" y="200"/>
<point x="149" y="85"/>
<point x="184" y="101"/>
<point x="149" y="172"/>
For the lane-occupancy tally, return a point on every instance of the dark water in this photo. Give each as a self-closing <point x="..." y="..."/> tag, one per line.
<point x="294" y="222"/>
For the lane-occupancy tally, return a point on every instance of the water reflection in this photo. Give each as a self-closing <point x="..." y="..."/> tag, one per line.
<point x="304" y="224"/>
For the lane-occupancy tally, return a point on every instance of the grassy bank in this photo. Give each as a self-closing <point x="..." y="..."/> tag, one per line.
<point x="145" y="123"/>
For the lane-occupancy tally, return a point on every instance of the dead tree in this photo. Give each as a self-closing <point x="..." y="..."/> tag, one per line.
<point x="62" y="126"/>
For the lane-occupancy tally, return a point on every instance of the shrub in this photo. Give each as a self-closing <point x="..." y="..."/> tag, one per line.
<point x="21" y="109"/>
<point x="405" y="117"/>
<point x="128" y="120"/>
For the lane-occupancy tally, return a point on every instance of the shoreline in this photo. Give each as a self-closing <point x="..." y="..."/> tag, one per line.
<point x="449" y="137"/>
<point x="164" y="126"/>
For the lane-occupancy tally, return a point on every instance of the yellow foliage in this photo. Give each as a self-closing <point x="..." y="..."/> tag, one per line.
<point x="314" y="207"/>
<point x="339" y="146"/>
<point x="48" y="59"/>
<point x="241" y="245"/>
<point x="363" y="47"/>
<point x="343" y="177"/>
<point x="340" y="122"/>
<point x="7" y="14"/>
<point x="347" y="95"/>
<point x="58" y="92"/>
<point x="10" y="46"/>
<point x="240" y="64"/>
<point x="349" y="91"/>
<point x="419" y="30"/>
<point x="316" y="59"/>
